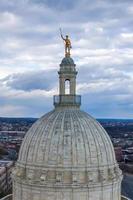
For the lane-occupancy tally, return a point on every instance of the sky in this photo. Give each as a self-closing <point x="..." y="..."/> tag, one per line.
<point x="31" y="50"/>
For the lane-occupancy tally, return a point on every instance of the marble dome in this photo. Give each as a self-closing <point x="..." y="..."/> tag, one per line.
<point x="67" y="155"/>
<point x="67" y="138"/>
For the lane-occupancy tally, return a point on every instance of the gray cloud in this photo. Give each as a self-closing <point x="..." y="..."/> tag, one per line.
<point x="42" y="80"/>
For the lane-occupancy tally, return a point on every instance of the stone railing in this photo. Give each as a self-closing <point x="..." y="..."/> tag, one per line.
<point x="8" y="197"/>
<point x="67" y="100"/>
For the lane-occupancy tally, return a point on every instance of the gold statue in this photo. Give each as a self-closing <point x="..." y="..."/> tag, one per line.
<point x="67" y="44"/>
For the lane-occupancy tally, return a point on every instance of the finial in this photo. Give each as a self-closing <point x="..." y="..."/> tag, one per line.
<point x="67" y="43"/>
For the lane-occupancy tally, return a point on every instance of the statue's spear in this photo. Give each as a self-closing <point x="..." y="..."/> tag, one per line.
<point x="60" y="31"/>
<point x="61" y="34"/>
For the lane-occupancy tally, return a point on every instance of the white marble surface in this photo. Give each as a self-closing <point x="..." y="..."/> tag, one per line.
<point x="67" y="155"/>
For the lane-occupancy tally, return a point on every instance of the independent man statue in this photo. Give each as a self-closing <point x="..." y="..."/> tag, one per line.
<point x="67" y="44"/>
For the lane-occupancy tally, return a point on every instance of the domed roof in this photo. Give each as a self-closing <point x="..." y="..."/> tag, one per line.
<point x="67" y="61"/>
<point x="66" y="154"/>
<point x="67" y="138"/>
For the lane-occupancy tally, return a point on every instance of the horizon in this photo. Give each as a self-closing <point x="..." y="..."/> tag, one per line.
<point x="31" y="51"/>
<point x="44" y="114"/>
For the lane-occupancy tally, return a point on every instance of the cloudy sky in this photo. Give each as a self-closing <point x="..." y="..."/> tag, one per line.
<point x="31" y="51"/>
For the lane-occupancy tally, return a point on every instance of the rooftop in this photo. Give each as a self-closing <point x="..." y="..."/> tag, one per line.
<point x="8" y="197"/>
<point x="4" y="163"/>
<point x="124" y="198"/>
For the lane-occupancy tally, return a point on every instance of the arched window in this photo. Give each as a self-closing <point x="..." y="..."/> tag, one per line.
<point x="67" y="86"/>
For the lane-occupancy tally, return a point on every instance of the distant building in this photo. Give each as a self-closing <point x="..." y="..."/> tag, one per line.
<point x="118" y="153"/>
<point x="5" y="176"/>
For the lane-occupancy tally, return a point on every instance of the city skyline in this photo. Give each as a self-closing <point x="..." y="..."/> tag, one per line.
<point x="31" y="51"/>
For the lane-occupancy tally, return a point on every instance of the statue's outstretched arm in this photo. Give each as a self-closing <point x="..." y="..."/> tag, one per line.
<point x="62" y="37"/>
